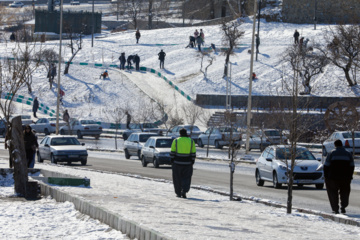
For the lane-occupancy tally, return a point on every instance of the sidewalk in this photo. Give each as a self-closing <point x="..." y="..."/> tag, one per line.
<point x="204" y="215"/>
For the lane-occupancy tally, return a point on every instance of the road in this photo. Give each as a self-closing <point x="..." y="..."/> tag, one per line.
<point x="215" y="174"/>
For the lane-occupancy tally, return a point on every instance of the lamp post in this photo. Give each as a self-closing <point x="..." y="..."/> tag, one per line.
<point x="93" y="25"/>
<point x="250" y="83"/>
<point x="59" y="70"/>
<point x="258" y="30"/>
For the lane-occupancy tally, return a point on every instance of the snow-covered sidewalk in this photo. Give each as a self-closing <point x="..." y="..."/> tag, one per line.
<point x="203" y="215"/>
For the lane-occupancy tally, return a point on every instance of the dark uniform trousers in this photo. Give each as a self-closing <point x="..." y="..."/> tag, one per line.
<point x="336" y="187"/>
<point x="182" y="174"/>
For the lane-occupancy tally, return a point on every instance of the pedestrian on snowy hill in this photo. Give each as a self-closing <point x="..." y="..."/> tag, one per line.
<point x="202" y="35"/>
<point x="128" y="119"/>
<point x="137" y="35"/>
<point x="296" y="37"/>
<point x="66" y="116"/>
<point x="196" y="33"/>
<point x="162" y="55"/>
<point x="137" y="62"/>
<point x="129" y="59"/>
<point x="257" y="40"/>
<point x="199" y="42"/>
<point x="35" y="106"/>
<point x="301" y="43"/>
<point x="122" y="59"/>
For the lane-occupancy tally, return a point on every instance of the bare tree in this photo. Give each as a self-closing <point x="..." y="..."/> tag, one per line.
<point x="343" y="43"/>
<point x="117" y="115"/>
<point x="210" y="59"/>
<point x="75" y="45"/>
<point x="231" y="39"/>
<point x="133" y="9"/>
<point x="192" y="113"/>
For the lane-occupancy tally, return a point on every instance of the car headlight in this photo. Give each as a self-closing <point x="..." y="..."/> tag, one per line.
<point x="282" y="167"/>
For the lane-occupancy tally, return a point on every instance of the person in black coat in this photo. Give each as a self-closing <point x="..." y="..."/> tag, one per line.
<point x="162" y="55"/>
<point x="137" y="35"/>
<point x="137" y="62"/>
<point x="129" y="59"/>
<point x="12" y="37"/>
<point x="30" y="142"/>
<point x="122" y="59"/>
<point x="35" y="106"/>
<point x="296" y="37"/>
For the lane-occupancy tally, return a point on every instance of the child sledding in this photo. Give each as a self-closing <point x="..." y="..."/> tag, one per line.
<point x="104" y="75"/>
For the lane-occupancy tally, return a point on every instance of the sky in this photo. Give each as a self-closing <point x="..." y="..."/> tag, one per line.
<point x="203" y="215"/>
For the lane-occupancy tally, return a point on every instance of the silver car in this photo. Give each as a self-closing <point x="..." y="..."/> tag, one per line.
<point x="192" y="131"/>
<point x="274" y="164"/>
<point x="156" y="151"/>
<point x="219" y="137"/>
<point x="82" y="127"/>
<point x="62" y="149"/>
<point x="346" y="139"/>
<point x="256" y="142"/>
<point x="46" y="125"/>
<point x="133" y="145"/>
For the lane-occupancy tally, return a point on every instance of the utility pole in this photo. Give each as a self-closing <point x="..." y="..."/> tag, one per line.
<point x="258" y="30"/>
<point x="250" y="83"/>
<point x="59" y="70"/>
<point x="315" y="18"/>
<point x="93" y="25"/>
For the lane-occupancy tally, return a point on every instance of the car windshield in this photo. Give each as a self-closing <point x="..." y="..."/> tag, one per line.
<point x="194" y="128"/>
<point x="52" y="119"/>
<point x="149" y="125"/>
<point x="164" y="143"/>
<point x="272" y="133"/>
<point x="64" y="141"/>
<point x="301" y="153"/>
<point x="144" y="138"/>
<point x="349" y="135"/>
<point x="87" y="122"/>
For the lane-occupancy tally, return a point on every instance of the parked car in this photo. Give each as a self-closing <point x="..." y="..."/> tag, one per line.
<point x="255" y="142"/>
<point x="25" y="119"/>
<point x="194" y="130"/>
<point x="82" y="127"/>
<point x="62" y="149"/>
<point x="133" y="145"/>
<point x="3" y="127"/>
<point x="219" y="137"/>
<point x="346" y="139"/>
<point x="156" y="151"/>
<point x="274" y="162"/>
<point x="142" y="127"/>
<point x="274" y="136"/>
<point x="74" y="2"/>
<point x="57" y="3"/>
<point x="46" y="125"/>
<point x="16" y="4"/>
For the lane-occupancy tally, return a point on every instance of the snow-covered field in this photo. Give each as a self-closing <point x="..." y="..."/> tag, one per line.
<point x="88" y="96"/>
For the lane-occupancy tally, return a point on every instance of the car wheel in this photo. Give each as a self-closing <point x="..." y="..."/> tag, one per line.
<point x="125" y="137"/>
<point x="259" y="181"/>
<point x="217" y="145"/>
<point x="275" y="181"/>
<point x="319" y="186"/>
<point x="83" y="162"/>
<point x="79" y="136"/>
<point x="46" y="131"/>
<point x="62" y="132"/>
<point x="39" y="159"/>
<point x="53" y="160"/>
<point x="143" y="162"/>
<point x="200" y="144"/>
<point x="156" y="163"/>
<point x="97" y="137"/>
<point x="127" y="155"/>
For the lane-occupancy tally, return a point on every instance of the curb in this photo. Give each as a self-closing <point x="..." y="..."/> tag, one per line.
<point x="130" y="228"/>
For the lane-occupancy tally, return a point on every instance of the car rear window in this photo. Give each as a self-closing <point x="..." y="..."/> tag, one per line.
<point x="349" y="135"/>
<point x="144" y="138"/>
<point x="301" y="153"/>
<point x="164" y="143"/>
<point x="273" y="133"/>
<point x="194" y="128"/>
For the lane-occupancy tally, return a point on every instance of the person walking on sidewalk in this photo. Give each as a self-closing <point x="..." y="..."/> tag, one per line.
<point x="338" y="170"/>
<point x="30" y="142"/>
<point x="35" y="106"/>
<point x="183" y="154"/>
<point x="162" y="55"/>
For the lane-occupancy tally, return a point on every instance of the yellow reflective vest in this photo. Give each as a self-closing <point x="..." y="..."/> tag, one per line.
<point x="183" y="151"/>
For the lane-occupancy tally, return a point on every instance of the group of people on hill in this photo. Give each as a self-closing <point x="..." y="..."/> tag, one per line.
<point x="302" y="43"/>
<point x="197" y="40"/>
<point x="136" y="60"/>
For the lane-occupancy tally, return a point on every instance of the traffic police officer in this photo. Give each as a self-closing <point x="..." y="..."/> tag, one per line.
<point x="183" y="153"/>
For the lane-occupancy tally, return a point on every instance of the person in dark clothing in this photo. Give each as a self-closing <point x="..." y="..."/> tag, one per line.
<point x="52" y="74"/>
<point x="128" y="119"/>
<point x="137" y="35"/>
<point x="183" y="154"/>
<point x="191" y="42"/>
<point x="12" y="37"/>
<point x="35" y="106"/>
<point x="104" y="75"/>
<point x="301" y="43"/>
<point x="66" y="116"/>
<point x="199" y="41"/>
<point x="338" y="171"/>
<point x="122" y="59"/>
<point x="257" y="40"/>
<point x="129" y="59"/>
<point x="162" y="55"/>
<point x="30" y="142"/>
<point x="137" y="62"/>
<point x="296" y="37"/>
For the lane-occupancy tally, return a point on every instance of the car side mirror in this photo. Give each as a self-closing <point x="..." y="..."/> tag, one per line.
<point x="82" y="144"/>
<point x="319" y="159"/>
<point x="151" y="147"/>
<point x="269" y="159"/>
<point x="46" y="145"/>
<point x="136" y="142"/>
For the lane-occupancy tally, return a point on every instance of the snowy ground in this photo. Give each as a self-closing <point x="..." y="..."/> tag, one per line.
<point x="203" y="215"/>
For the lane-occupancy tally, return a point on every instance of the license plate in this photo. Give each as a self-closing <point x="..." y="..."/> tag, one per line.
<point x="73" y="156"/>
<point x="304" y="181"/>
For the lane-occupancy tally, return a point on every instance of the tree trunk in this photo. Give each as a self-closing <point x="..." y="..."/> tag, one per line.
<point x="150" y="14"/>
<point x="19" y="156"/>
<point x="348" y="78"/>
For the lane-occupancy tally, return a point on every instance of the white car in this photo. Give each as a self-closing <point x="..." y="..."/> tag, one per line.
<point x="46" y="125"/>
<point x="142" y="127"/>
<point x="82" y="127"/>
<point x="16" y="4"/>
<point x="62" y="149"/>
<point x="219" y="137"/>
<point x="134" y="144"/>
<point x="274" y="163"/>
<point x="346" y="139"/>
<point x="156" y="151"/>
<point x="194" y="130"/>
<point x="255" y="142"/>
<point x="274" y="136"/>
